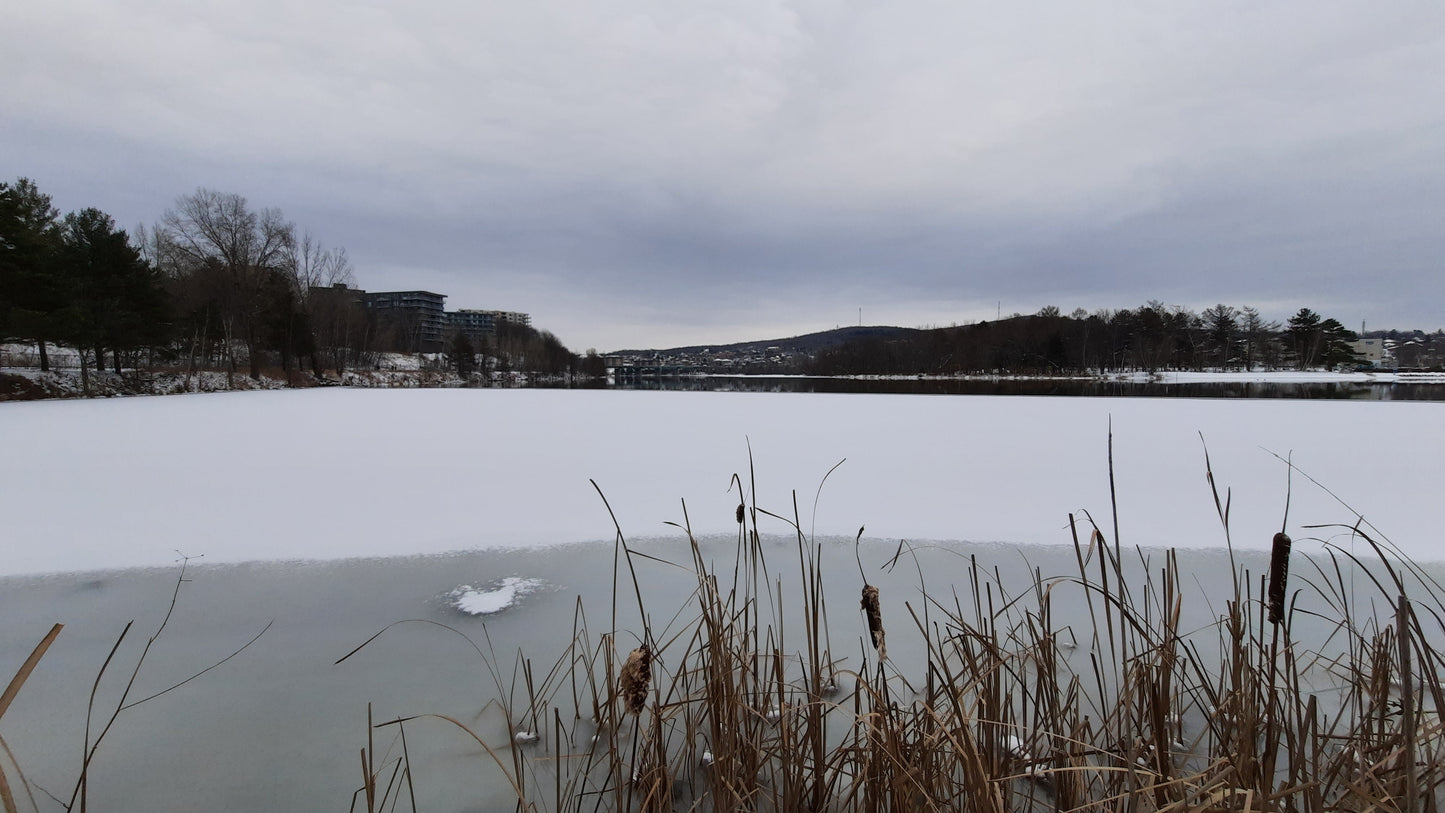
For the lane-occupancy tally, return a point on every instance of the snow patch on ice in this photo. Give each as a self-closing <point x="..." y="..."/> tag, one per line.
<point x="489" y="600"/>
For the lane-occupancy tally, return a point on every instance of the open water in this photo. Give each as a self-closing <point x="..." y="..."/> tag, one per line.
<point x="1061" y="387"/>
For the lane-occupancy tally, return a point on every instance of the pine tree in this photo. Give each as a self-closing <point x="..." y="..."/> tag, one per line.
<point x="1305" y="337"/>
<point x="114" y="298"/>
<point x="1335" y="342"/>
<point x="31" y="295"/>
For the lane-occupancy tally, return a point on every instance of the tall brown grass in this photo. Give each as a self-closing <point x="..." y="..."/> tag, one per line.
<point x="754" y="698"/>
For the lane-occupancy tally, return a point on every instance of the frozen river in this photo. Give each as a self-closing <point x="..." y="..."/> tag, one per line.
<point x="453" y="493"/>
<point x="327" y="474"/>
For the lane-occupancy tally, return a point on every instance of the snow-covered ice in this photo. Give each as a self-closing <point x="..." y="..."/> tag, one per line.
<point x="336" y="473"/>
<point x="489" y="600"/>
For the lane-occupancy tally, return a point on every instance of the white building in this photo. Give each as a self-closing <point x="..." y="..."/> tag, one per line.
<point x="1373" y="351"/>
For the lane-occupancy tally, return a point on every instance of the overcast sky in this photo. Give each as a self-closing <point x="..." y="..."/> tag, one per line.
<point x="638" y="173"/>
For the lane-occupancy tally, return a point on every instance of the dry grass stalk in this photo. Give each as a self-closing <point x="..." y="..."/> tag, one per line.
<point x="26" y="668"/>
<point x="636" y="678"/>
<point x="7" y="797"/>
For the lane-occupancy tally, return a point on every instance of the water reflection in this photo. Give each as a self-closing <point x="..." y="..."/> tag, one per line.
<point x="1062" y="387"/>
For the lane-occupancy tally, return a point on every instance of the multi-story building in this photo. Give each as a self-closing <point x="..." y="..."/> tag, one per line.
<point x="1372" y="351"/>
<point x="480" y="323"/>
<point x="418" y="321"/>
<point x="472" y="323"/>
<point x="420" y="316"/>
<point x="513" y="318"/>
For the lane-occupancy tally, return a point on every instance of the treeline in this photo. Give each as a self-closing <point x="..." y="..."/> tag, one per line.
<point x="520" y="348"/>
<point x="76" y="280"/>
<point x="215" y="284"/>
<point x="1154" y="337"/>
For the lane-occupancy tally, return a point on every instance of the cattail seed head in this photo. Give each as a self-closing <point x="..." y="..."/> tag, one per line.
<point x="874" y="612"/>
<point x="1278" y="576"/>
<point x="741" y="515"/>
<point x="635" y="679"/>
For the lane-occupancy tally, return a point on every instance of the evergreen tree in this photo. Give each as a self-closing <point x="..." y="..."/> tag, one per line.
<point x="31" y="295"/>
<point x="1319" y="341"/>
<point x="113" y="298"/>
<point x="1335" y="344"/>
<point x="1305" y="337"/>
<point x="1222" y="323"/>
<point x="464" y="356"/>
<point x="1257" y="333"/>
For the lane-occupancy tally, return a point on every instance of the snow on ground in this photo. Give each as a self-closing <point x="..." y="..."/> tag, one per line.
<point x="335" y="473"/>
<point x="28" y="355"/>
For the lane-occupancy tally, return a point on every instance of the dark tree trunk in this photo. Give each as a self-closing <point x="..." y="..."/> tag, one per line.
<point x="253" y="356"/>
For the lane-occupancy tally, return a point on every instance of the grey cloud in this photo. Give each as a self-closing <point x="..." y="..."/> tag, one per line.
<point x="751" y="165"/>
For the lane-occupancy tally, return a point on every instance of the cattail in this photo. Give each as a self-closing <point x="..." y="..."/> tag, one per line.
<point x="1278" y="576"/>
<point x="741" y="515"/>
<point x="875" y="619"/>
<point x="636" y="676"/>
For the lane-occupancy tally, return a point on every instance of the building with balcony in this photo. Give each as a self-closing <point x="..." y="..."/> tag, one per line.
<point x="418" y="318"/>
<point x="475" y="324"/>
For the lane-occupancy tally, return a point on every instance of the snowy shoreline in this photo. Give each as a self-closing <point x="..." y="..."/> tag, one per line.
<point x="1141" y="377"/>
<point x="29" y="383"/>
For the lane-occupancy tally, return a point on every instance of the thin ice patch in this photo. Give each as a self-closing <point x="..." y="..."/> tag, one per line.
<point x="488" y="600"/>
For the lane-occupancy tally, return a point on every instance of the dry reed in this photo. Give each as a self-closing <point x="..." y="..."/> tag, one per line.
<point x="1321" y="699"/>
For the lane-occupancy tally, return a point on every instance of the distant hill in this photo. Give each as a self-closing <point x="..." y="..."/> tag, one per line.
<point x="807" y="344"/>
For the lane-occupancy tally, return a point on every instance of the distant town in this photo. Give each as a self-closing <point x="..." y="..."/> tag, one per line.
<point x="1151" y="338"/>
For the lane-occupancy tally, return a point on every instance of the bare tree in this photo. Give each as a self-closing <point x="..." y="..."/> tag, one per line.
<point x="315" y="266"/>
<point x="236" y="254"/>
<point x="158" y="247"/>
<point x="322" y="279"/>
<point x="1257" y="333"/>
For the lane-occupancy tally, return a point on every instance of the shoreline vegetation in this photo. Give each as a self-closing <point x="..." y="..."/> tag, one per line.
<point x="25" y="382"/>
<point x="1311" y="684"/>
<point x="1310" y="691"/>
<point x="217" y="284"/>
